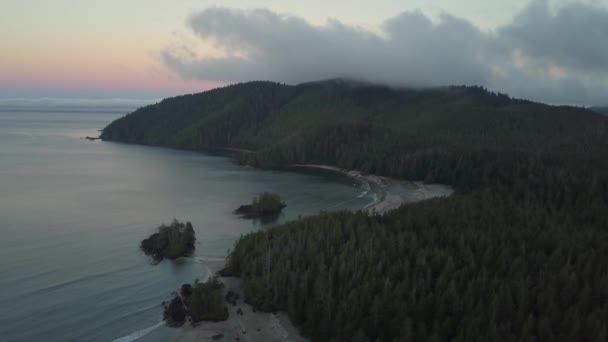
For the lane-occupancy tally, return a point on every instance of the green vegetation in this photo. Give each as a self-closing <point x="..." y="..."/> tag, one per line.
<point x="601" y="110"/>
<point x="463" y="136"/>
<point x="198" y="302"/>
<point x="465" y="268"/>
<point x="207" y="301"/>
<point x="264" y="204"/>
<point x="172" y="241"/>
<point x="519" y="253"/>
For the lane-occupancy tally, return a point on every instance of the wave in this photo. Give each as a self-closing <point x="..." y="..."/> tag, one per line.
<point x="366" y="189"/>
<point x="60" y="285"/>
<point x="134" y="336"/>
<point x="73" y="281"/>
<point x="209" y="272"/>
<point x="364" y="181"/>
<point x="375" y="200"/>
<point x="204" y="258"/>
<point x="139" y="333"/>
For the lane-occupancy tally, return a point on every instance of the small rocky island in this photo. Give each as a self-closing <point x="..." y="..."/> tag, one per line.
<point x="264" y="204"/>
<point x="172" y="241"/>
<point x="196" y="303"/>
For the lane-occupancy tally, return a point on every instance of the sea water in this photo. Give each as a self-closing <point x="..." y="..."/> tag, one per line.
<point x="73" y="212"/>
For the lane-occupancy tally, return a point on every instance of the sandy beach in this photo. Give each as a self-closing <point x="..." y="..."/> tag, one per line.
<point x="249" y="326"/>
<point x="254" y="326"/>
<point x="390" y="193"/>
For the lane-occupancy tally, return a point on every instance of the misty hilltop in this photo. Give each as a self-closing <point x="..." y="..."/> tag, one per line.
<point x="362" y="126"/>
<point x="601" y="110"/>
<point x="517" y="253"/>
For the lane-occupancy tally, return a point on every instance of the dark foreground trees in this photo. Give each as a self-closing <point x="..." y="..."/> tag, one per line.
<point x="207" y="301"/>
<point x="466" y="268"/>
<point x="519" y="253"/>
<point x="197" y="302"/>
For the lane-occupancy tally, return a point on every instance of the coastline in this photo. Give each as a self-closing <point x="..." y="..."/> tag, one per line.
<point x="258" y="326"/>
<point x="251" y="326"/>
<point x="389" y="193"/>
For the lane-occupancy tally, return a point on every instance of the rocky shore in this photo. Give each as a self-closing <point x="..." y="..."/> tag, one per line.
<point x="244" y="322"/>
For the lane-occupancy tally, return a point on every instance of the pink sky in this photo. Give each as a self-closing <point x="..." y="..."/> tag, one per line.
<point x="96" y="79"/>
<point x="67" y="48"/>
<point x="113" y="48"/>
<point x="73" y="48"/>
<point x="85" y="74"/>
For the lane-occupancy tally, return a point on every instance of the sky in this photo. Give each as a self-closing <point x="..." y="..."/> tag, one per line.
<point x="553" y="51"/>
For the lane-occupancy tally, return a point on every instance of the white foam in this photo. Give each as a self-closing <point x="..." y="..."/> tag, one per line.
<point x="139" y="333"/>
<point x="204" y="258"/>
<point x="366" y="189"/>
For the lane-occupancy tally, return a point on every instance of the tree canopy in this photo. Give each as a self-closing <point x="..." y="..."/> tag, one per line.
<point x="464" y="268"/>
<point x="198" y="302"/>
<point x="264" y="204"/>
<point x="519" y="253"/>
<point x="172" y="241"/>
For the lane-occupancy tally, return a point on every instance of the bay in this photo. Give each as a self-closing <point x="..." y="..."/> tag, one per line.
<point x="73" y="211"/>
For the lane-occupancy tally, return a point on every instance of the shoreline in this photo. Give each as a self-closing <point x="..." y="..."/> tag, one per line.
<point x="256" y="326"/>
<point x="390" y="193"/>
<point x="250" y="326"/>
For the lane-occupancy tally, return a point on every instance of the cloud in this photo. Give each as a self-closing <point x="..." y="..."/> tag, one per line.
<point x="557" y="57"/>
<point x="574" y="37"/>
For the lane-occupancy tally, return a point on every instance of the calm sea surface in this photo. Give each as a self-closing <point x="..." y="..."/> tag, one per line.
<point x="72" y="214"/>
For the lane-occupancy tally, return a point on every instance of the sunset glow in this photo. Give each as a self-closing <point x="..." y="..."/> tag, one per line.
<point x="70" y="48"/>
<point x="80" y="48"/>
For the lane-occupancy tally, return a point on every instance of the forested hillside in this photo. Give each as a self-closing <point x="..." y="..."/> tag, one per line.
<point x="601" y="110"/>
<point x="467" y="268"/>
<point x="463" y="136"/>
<point x="520" y="253"/>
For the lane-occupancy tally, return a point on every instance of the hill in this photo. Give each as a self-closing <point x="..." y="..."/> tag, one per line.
<point x="601" y="110"/>
<point x="463" y="136"/>
<point x="519" y="253"/>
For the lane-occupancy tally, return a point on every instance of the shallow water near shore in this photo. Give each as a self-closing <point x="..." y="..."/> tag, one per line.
<point x="74" y="211"/>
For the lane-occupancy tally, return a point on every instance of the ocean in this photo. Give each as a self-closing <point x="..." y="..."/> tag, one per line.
<point x="73" y="212"/>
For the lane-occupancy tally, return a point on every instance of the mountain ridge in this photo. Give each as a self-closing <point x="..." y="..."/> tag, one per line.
<point x="358" y="126"/>
<point x="601" y="110"/>
<point x="518" y="253"/>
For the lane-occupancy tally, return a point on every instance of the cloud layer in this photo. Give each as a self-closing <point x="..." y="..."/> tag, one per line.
<point x="554" y="56"/>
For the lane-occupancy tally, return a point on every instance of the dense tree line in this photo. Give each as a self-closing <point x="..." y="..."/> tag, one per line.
<point x="518" y="254"/>
<point x="601" y="110"/>
<point x="196" y="303"/>
<point x="464" y="136"/>
<point x="467" y="268"/>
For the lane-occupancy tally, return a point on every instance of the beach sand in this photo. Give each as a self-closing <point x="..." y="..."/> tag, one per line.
<point x="267" y="327"/>
<point x="250" y="326"/>
<point x="390" y="193"/>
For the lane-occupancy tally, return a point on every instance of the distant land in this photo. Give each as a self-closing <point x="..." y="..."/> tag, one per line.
<point x="519" y="252"/>
<point x="601" y="110"/>
<point x="71" y="105"/>
<point x="447" y="135"/>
